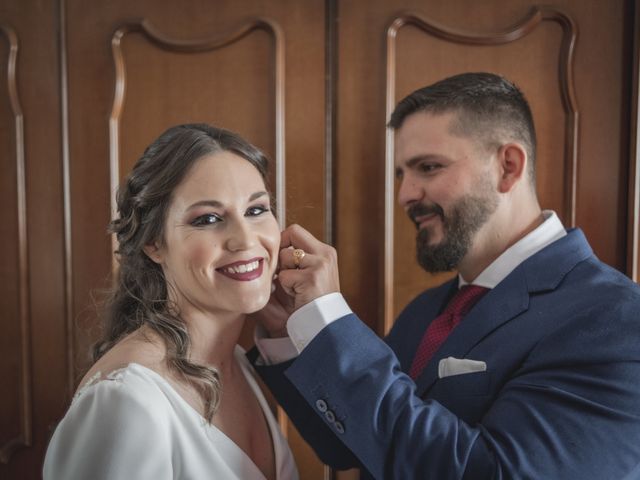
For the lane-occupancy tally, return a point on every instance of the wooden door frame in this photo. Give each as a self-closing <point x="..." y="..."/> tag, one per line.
<point x="633" y="242"/>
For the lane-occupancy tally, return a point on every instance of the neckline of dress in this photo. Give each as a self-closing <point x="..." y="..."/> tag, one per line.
<point x="115" y="374"/>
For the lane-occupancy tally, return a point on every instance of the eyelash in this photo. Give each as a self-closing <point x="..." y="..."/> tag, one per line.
<point x="203" y="220"/>
<point x="261" y="209"/>
<point x="425" y="168"/>
<point x="428" y="167"/>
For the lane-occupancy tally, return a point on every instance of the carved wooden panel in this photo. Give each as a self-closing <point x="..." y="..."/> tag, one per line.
<point x="246" y="96"/>
<point x="226" y="69"/>
<point x="32" y="303"/>
<point x="16" y="405"/>
<point x="238" y="82"/>
<point x="136" y="68"/>
<point x="546" y="76"/>
<point x="582" y="165"/>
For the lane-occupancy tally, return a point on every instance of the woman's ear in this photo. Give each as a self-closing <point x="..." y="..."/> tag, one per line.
<point x="154" y="252"/>
<point x="513" y="163"/>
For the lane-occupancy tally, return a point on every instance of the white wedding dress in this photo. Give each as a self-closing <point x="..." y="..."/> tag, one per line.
<point x="134" y="425"/>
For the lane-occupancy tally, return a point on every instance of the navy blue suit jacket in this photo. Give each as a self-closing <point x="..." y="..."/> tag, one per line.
<point x="560" y="397"/>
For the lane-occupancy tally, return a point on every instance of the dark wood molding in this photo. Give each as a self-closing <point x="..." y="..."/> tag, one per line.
<point x="330" y="112"/>
<point x="67" y="209"/>
<point x="331" y="79"/>
<point x="633" y="238"/>
<point x="523" y="27"/>
<point x="24" y="437"/>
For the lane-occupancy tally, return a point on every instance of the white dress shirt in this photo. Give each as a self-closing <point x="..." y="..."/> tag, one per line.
<point x="306" y="322"/>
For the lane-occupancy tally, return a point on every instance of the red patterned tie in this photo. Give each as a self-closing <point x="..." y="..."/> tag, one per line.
<point x="464" y="299"/>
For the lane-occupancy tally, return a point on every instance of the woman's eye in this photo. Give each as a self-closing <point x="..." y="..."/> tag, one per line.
<point x="257" y="210"/>
<point x="208" y="219"/>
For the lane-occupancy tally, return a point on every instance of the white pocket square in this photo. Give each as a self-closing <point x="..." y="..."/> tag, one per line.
<point x="456" y="366"/>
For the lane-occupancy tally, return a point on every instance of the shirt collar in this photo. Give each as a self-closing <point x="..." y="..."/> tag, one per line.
<point x="550" y="230"/>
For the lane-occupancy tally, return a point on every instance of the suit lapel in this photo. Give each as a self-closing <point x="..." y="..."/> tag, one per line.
<point x="542" y="272"/>
<point x="508" y="300"/>
<point x="406" y="339"/>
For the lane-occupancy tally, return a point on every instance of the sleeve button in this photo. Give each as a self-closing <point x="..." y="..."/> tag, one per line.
<point x="339" y="427"/>
<point x="330" y="416"/>
<point x="321" y="405"/>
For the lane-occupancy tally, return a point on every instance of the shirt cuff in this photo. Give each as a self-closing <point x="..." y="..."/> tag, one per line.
<point x="303" y="326"/>
<point x="306" y="322"/>
<point x="272" y="350"/>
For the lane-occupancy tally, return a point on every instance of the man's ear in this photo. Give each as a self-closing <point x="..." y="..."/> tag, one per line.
<point x="153" y="251"/>
<point x="512" y="158"/>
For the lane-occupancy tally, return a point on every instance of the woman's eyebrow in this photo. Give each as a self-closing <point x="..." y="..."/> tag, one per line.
<point x="205" y="203"/>
<point x="218" y="204"/>
<point x="257" y="195"/>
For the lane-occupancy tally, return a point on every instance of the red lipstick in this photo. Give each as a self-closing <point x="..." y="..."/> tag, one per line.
<point x="244" y="270"/>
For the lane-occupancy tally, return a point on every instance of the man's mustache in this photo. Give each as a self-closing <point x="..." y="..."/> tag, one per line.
<point x="420" y="210"/>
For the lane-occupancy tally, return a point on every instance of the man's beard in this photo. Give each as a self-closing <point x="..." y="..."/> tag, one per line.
<point x="459" y="226"/>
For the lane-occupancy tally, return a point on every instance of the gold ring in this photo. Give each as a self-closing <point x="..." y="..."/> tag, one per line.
<point x="298" y="255"/>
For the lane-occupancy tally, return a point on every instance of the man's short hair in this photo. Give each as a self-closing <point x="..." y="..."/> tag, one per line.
<point x="489" y="108"/>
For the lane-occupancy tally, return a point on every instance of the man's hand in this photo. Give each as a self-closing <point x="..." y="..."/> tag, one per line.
<point x="273" y="317"/>
<point x="295" y="286"/>
<point x="315" y="275"/>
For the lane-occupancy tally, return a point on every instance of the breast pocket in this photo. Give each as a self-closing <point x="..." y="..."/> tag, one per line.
<point x="468" y="395"/>
<point x="467" y="384"/>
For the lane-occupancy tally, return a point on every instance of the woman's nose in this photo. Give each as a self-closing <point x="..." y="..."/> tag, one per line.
<point x="241" y="236"/>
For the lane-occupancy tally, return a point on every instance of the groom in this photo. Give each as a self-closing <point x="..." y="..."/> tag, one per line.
<point x="527" y="365"/>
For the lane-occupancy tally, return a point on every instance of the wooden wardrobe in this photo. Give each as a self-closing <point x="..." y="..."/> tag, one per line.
<point x="85" y="85"/>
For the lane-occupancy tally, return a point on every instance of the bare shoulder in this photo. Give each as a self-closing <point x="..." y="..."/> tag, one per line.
<point x="142" y="347"/>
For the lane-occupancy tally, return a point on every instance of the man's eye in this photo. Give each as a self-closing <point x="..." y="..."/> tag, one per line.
<point x="428" y="167"/>
<point x="208" y="219"/>
<point x="257" y="210"/>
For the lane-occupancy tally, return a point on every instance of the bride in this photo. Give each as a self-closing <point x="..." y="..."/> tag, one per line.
<point x="171" y="395"/>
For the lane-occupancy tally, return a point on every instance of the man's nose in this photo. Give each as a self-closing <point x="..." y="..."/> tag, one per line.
<point x="241" y="235"/>
<point x="409" y="191"/>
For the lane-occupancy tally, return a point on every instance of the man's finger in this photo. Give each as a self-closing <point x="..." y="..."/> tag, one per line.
<point x="298" y="237"/>
<point x="290" y="279"/>
<point x="281" y="296"/>
<point x="287" y="259"/>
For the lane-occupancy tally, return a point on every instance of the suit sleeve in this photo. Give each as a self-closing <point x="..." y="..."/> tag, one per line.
<point x="311" y="426"/>
<point x="571" y="411"/>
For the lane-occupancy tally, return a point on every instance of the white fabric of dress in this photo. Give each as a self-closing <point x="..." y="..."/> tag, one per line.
<point x="134" y="425"/>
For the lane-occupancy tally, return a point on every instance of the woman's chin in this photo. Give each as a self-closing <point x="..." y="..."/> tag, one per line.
<point x="256" y="303"/>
